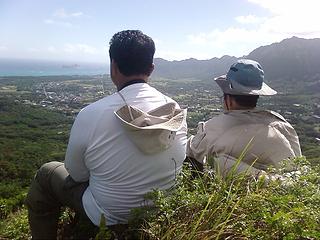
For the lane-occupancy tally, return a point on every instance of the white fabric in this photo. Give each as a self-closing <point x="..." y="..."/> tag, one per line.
<point x="268" y="137"/>
<point x="119" y="173"/>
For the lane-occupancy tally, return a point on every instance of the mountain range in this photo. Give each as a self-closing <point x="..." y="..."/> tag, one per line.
<point x="294" y="61"/>
<point x="292" y="64"/>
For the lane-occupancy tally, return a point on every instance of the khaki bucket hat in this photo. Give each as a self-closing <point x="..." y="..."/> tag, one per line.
<point x="152" y="131"/>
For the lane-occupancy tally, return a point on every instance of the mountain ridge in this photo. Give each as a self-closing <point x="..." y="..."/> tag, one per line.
<point x="293" y="58"/>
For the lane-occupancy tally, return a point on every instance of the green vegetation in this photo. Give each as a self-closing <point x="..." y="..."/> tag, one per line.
<point x="15" y="226"/>
<point x="29" y="137"/>
<point x="277" y="206"/>
<point x="238" y="207"/>
<point x="34" y="129"/>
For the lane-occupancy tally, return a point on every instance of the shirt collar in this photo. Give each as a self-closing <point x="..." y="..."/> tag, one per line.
<point x="134" y="81"/>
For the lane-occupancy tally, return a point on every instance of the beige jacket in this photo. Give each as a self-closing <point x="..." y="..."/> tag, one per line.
<point x="268" y="137"/>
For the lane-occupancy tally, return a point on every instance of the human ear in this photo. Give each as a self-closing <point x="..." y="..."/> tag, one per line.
<point x="150" y="69"/>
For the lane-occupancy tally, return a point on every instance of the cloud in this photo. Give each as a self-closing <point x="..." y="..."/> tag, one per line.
<point x="3" y="48"/>
<point x="58" y="23"/>
<point x="231" y="41"/>
<point x="171" y="55"/>
<point x="79" y="48"/>
<point x="299" y="18"/>
<point x="230" y="35"/>
<point x="249" y="19"/>
<point x="62" y="13"/>
<point x="33" y="50"/>
<point x="52" y="49"/>
<point x="59" y="18"/>
<point x="284" y="7"/>
<point x="201" y="38"/>
<point x="76" y="14"/>
<point x="285" y="19"/>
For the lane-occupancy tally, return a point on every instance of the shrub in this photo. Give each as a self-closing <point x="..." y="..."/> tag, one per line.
<point x="16" y="226"/>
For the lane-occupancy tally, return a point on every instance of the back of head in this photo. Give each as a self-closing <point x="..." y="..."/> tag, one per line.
<point x="133" y="52"/>
<point x="246" y="101"/>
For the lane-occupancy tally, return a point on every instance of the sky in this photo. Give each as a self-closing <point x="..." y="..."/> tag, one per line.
<point x="80" y="30"/>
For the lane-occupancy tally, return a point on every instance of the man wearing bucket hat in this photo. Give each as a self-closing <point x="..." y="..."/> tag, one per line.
<point x="120" y="148"/>
<point x="244" y="138"/>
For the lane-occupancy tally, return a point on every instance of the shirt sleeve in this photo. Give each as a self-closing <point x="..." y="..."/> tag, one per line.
<point x="75" y="155"/>
<point x="291" y="135"/>
<point x="197" y="146"/>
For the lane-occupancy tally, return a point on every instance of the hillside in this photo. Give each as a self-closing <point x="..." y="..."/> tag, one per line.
<point x="294" y="61"/>
<point x="192" y="68"/>
<point x="291" y="58"/>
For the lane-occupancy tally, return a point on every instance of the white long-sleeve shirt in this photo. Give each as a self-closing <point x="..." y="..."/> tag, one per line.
<point x="119" y="173"/>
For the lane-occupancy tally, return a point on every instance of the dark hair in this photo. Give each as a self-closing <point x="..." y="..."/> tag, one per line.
<point x="132" y="51"/>
<point x="249" y="101"/>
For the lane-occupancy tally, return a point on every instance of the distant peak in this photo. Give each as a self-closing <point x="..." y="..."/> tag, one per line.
<point x="294" y="38"/>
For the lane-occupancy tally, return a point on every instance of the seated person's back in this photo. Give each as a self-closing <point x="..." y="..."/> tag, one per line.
<point x="120" y="148"/>
<point x="119" y="173"/>
<point x="263" y="138"/>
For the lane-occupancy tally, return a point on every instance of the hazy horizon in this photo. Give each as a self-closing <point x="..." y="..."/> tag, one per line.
<point x="37" y="67"/>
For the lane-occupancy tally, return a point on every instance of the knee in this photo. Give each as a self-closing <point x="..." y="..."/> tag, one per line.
<point x="39" y="197"/>
<point x="44" y="173"/>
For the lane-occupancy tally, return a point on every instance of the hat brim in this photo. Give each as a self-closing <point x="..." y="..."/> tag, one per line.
<point x="238" y="89"/>
<point x="164" y="122"/>
<point x="174" y="123"/>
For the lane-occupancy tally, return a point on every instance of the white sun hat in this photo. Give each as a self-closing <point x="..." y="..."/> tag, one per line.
<point x="152" y="131"/>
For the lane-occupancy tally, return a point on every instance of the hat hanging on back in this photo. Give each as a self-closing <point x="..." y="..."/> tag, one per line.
<point x="152" y="131"/>
<point x="245" y="77"/>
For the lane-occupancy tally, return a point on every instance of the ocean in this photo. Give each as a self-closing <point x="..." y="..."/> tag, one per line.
<point x="23" y="67"/>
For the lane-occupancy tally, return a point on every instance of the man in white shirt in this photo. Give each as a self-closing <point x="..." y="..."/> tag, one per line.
<point x="120" y="148"/>
<point x="260" y="138"/>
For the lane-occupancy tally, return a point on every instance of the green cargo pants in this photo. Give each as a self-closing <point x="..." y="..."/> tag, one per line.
<point x="51" y="189"/>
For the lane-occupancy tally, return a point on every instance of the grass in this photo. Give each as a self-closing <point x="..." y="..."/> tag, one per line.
<point x="237" y="207"/>
<point x="285" y="206"/>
